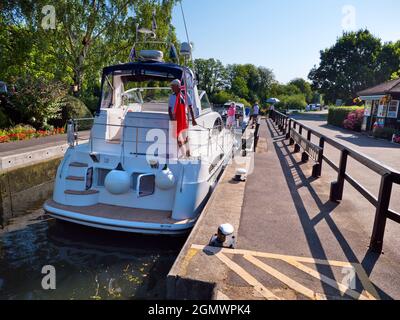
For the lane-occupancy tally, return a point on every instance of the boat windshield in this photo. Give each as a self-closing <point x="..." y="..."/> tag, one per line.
<point x="126" y="92"/>
<point x="149" y="98"/>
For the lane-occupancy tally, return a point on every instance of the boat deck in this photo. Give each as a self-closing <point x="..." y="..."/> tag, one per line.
<point x="120" y="213"/>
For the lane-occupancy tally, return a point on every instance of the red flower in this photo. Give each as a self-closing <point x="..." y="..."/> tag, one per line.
<point x="4" y="139"/>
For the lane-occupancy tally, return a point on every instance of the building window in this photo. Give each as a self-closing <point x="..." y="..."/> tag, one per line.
<point x="393" y="109"/>
<point x="368" y="108"/>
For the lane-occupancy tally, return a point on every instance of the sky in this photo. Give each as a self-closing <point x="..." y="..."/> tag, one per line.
<point x="283" y="35"/>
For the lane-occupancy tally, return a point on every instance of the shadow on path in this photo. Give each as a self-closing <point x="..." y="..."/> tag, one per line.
<point x="291" y="167"/>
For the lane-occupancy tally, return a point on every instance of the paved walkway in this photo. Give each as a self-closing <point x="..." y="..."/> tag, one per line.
<point x="27" y="152"/>
<point x="293" y="243"/>
<point x="16" y="147"/>
<point x="287" y="213"/>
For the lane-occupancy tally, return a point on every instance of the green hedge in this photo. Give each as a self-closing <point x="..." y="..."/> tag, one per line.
<point x="297" y="101"/>
<point x="337" y="115"/>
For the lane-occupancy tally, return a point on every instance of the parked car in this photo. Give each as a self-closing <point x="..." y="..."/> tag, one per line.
<point x="313" y="107"/>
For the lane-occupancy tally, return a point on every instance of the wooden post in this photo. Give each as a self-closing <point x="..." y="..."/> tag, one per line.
<point x="256" y="136"/>
<point x="317" y="169"/>
<point x="288" y="129"/>
<point x="382" y="208"/>
<point x="337" y="187"/>
<point x="305" y="157"/>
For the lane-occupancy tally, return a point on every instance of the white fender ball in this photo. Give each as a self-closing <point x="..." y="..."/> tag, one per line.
<point x="165" y="179"/>
<point x="117" y="182"/>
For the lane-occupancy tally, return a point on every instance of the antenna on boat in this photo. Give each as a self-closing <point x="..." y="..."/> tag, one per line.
<point x="186" y="47"/>
<point x="184" y="22"/>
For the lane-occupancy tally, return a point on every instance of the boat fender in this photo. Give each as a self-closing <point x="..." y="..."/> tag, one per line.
<point x="165" y="179"/>
<point x="117" y="182"/>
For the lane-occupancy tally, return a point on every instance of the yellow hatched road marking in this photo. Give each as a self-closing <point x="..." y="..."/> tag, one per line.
<point x="369" y="292"/>
<point x="274" y="256"/>
<point x="283" y="278"/>
<point x="247" y="277"/>
<point x="338" y="286"/>
<point x="369" y="288"/>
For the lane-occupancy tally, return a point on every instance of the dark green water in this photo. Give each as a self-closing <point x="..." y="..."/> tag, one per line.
<point x="89" y="263"/>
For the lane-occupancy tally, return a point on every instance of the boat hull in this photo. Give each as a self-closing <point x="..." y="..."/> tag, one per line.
<point x="107" y="221"/>
<point x="140" y="227"/>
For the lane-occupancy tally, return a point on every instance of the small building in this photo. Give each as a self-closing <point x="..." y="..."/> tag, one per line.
<point x="382" y="106"/>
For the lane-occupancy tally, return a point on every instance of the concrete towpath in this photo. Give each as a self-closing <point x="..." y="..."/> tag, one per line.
<point x="17" y="153"/>
<point x="292" y="242"/>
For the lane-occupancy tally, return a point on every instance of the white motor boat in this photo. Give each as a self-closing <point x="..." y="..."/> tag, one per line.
<point x="131" y="176"/>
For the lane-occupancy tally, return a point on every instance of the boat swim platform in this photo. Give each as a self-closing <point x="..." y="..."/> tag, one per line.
<point x="120" y="213"/>
<point x="292" y="243"/>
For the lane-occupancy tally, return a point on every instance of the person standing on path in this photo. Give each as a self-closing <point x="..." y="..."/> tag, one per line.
<point x="230" y="122"/>
<point x="271" y="110"/>
<point x="256" y="113"/>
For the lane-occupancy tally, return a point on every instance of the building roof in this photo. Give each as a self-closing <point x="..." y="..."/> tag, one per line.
<point x="385" y="88"/>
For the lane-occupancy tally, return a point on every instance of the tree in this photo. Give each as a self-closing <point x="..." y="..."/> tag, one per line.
<point x="304" y="87"/>
<point x="88" y="34"/>
<point x="294" y="101"/>
<point x="38" y="101"/>
<point x="266" y="80"/>
<point x="222" y="97"/>
<point x="279" y="90"/>
<point x="249" y="82"/>
<point x="357" y="61"/>
<point x="388" y="61"/>
<point x="212" y="75"/>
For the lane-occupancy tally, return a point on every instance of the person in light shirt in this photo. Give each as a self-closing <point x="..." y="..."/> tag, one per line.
<point x="256" y="113"/>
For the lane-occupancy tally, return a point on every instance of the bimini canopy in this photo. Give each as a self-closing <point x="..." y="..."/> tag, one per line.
<point x="147" y="71"/>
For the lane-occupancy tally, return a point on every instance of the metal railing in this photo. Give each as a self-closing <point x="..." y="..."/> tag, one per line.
<point x="388" y="175"/>
<point x="209" y="142"/>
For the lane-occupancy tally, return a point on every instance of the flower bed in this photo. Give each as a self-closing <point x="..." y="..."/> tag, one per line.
<point x="338" y="115"/>
<point x="396" y="138"/>
<point x="21" y="132"/>
<point x="354" y="120"/>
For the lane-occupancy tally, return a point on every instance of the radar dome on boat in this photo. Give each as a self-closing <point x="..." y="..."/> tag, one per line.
<point x="117" y="182"/>
<point x="151" y="55"/>
<point x="186" y="49"/>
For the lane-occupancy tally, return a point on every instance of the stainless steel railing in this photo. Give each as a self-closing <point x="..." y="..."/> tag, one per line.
<point x="213" y="140"/>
